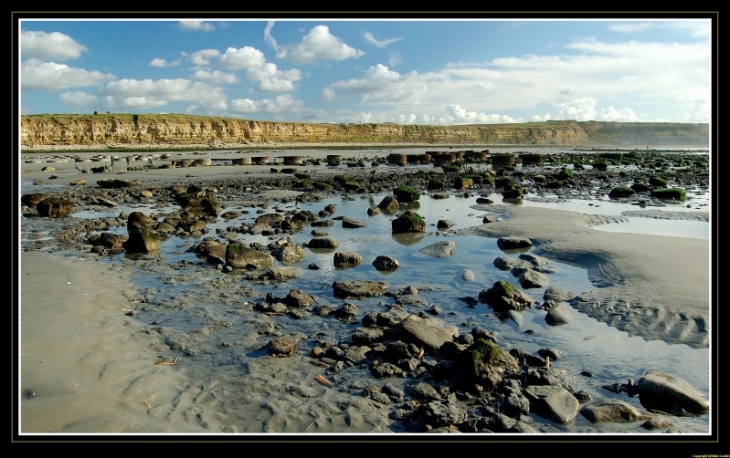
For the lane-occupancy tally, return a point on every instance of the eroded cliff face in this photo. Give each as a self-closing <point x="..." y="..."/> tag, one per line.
<point x="181" y="130"/>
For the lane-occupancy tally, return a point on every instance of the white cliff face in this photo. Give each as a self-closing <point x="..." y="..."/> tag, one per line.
<point x="180" y="130"/>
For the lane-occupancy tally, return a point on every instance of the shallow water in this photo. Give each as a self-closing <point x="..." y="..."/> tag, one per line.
<point x="227" y="344"/>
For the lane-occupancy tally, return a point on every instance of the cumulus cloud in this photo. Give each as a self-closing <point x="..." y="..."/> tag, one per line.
<point x="35" y="74"/>
<point x="583" y="109"/>
<point x="318" y="45"/>
<point x="201" y="26"/>
<point x="612" y="114"/>
<point x="238" y="58"/>
<point x="203" y="57"/>
<point x="273" y="80"/>
<point x="280" y="104"/>
<point x="54" y="45"/>
<point x="162" y="63"/>
<point x="379" y="43"/>
<point x="455" y="114"/>
<point x="148" y="93"/>
<point x="381" y="84"/>
<point x="215" y="77"/>
<point x="77" y="99"/>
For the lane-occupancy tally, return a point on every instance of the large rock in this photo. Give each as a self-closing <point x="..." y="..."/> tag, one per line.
<point x="613" y="410"/>
<point x="671" y="394"/>
<point x="139" y="220"/>
<point x="513" y="243"/>
<point x="143" y="241"/>
<point x="323" y="243"/>
<point x="290" y="253"/>
<point x="553" y="402"/>
<point x="240" y="256"/>
<point x="409" y="221"/>
<point x="358" y="288"/>
<point x="389" y="205"/>
<point x="504" y="296"/>
<point x="54" y="207"/>
<point x="428" y="332"/>
<point x="558" y="314"/>
<point x="442" y="249"/>
<point x="345" y="259"/>
<point x="386" y="263"/>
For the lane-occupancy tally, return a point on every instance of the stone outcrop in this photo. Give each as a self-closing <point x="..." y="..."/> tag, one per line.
<point x="165" y="130"/>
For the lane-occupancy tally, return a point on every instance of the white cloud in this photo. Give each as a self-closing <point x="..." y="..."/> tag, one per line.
<point x="236" y="59"/>
<point x="162" y="63"/>
<point x="215" y="77"/>
<point x="458" y="115"/>
<point x="611" y="114"/>
<point x="196" y="26"/>
<point x="583" y="109"/>
<point x="203" y="57"/>
<point x="35" y="74"/>
<point x="382" y="85"/>
<point x="379" y="43"/>
<point x="77" y="99"/>
<point x="268" y="38"/>
<point x="54" y="45"/>
<point x="147" y="93"/>
<point x="273" y="80"/>
<point x="328" y="94"/>
<point x="630" y="27"/>
<point x="319" y="45"/>
<point x="395" y="59"/>
<point x="281" y="104"/>
<point x="545" y="117"/>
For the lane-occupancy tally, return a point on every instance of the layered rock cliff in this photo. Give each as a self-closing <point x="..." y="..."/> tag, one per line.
<point x="132" y="130"/>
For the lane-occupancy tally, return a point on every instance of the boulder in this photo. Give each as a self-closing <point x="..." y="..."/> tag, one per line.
<point x="442" y="249"/>
<point x="671" y="394"/>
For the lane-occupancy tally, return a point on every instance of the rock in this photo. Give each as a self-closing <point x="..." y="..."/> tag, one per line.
<point x="468" y="276"/>
<point x="428" y="332"/>
<point x="386" y="263"/>
<point x="344" y="259"/>
<point x="552" y="402"/>
<point x="442" y="249"/>
<point x="503" y="263"/>
<point x="503" y="296"/>
<point x="670" y="394"/>
<point x="54" y="207"/>
<point x="389" y="205"/>
<point x="240" y="256"/>
<point x="537" y="261"/>
<point x="358" y="288"/>
<point x="282" y="346"/>
<point x="351" y="223"/>
<point x="558" y="294"/>
<point x="409" y="221"/>
<point x="290" y="253"/>
<point x="613" y="410"/>
<point x="323" y="243"/>
<point x="143" y="241"/>
<point x="532" y="279"/>
<point x="299" y="299"/>
<point x="512" y="243"/>
<point x="444" y="224"/>
<point x="558" y="314"/>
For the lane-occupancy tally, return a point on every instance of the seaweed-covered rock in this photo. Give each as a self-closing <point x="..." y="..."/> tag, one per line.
<point x="503" y="296"/>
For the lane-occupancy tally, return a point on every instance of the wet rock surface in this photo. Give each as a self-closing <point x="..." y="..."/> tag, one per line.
<point x="424" y="374"/>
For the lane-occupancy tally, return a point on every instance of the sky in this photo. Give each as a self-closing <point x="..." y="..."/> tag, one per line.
<point x="344" y="70"/>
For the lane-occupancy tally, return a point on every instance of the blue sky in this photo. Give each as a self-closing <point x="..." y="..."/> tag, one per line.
<point x="404" y="71"/>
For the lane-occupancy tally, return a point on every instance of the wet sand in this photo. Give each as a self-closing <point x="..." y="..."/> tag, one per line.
<point x="87" y="367"/>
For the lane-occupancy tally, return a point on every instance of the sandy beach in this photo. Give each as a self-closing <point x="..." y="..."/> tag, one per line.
<point x="87" y="367"/>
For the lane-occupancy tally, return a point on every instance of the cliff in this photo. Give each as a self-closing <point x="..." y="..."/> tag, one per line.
<point x="177" y="130"/>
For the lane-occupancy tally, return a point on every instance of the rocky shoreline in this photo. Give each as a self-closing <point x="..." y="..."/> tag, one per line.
<point x="456" y="382"/>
